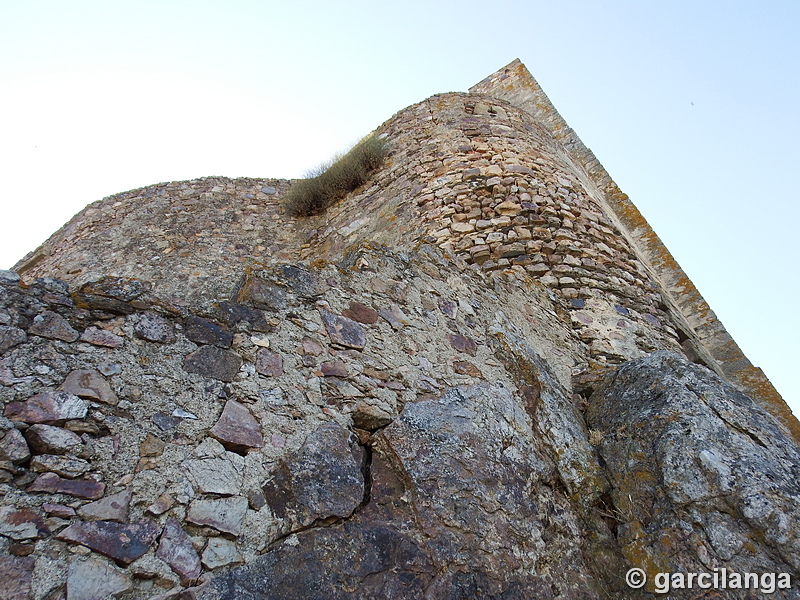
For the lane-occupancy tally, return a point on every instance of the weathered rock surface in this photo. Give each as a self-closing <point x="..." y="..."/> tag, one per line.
<point x="718" y="486"/>
<point x="47" y="439"/>
<point x="213" y="362"/>
<point x="214" y="470"/>
<point x="322" y="480"/>
<point x="15" y="573"/>
<point x="111" y="508"/>
<point x="223" y="514"/>
<point x="175" y="548"/>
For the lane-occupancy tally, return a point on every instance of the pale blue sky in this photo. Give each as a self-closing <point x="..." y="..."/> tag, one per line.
<point x="690" y="105"/>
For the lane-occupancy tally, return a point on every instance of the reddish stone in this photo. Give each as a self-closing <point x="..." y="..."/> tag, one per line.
<point x="361" y="313"/>
<point x="58" y="510"/>
<point x="53" y="326"/>
<point x="122" y="543"/>
<point x="13" y="447"/>
<point x="175" y="548"/>
<point x="16" y="573"/>
<point x="99" y="337"/>
<point x="268" y="363"/>
<point x="47" y="407"/>
<point x="463" y="343"/>
<point x="343" y="331"/>
<point x="161" y="504"/>
<point x="237" y="428"/>
<point x="80" y="488"/>
<point x="85" y="383"/>
<point x="311" y="346"/>
<point x="334" y="368"/>
<point x="465" y="367"/>
<point x="48" y="439"/>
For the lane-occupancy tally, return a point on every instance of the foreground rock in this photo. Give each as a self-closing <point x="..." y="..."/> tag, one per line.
<point x="718" y="486"/>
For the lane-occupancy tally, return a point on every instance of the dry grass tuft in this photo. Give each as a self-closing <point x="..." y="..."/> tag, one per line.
<point x="333" y="181"/>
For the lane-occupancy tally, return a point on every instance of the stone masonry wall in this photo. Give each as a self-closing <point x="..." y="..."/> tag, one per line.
<point x="436" y="389"/>
<point x="496" y="177"/>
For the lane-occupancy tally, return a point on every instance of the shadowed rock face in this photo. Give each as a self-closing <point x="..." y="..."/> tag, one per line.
<point x="463" y="503"/>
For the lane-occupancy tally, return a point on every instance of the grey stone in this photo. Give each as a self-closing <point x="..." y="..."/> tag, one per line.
<point x="10" y="337"/>
<point x="65" y="466"/>
<point x="712" y="453"/>
<point x="303" y="283"/>
<point x="213" y="362"/>
<point x="214" y="470"/>
<point x="220" y="552"/>
<point x="9" y="277"/>
<point x="111" y="508"/>
<point x="91" y="578"/>
<point x="86" y="383"/>
<point x="223" y="514"/>
<point x="154" y="328"/>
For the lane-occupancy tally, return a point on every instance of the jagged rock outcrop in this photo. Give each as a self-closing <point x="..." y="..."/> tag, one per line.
<point x="504" y="398"/>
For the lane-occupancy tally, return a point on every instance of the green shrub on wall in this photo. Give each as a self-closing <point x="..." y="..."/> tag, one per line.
<point x="333" y="181"/>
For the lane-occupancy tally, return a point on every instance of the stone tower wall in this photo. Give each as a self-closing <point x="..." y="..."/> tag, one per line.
<point x="495" y="177"/>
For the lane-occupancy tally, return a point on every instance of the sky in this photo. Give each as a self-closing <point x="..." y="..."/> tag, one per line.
<point x="691" y="106"/>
